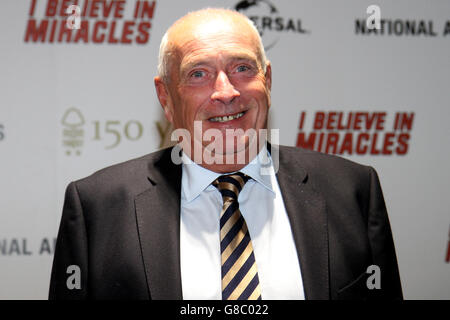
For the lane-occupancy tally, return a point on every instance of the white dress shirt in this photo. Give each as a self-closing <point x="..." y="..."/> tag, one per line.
<point x="262" y="206"/>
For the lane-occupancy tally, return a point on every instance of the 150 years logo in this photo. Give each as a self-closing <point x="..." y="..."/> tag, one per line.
<point x="73" y="132"/>
<point x="111" y="133"/>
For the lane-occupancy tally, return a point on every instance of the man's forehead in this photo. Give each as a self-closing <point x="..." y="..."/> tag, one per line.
<point x="209" y="28"/>
<point x="213" y="27"/>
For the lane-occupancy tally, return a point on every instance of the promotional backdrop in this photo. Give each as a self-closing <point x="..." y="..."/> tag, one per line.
<point x="369" y="83"/>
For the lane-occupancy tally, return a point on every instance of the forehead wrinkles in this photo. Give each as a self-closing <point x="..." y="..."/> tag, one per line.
<point x="216" y="49"/>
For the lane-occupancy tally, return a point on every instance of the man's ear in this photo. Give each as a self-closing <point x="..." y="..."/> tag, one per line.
<point x="164" y="98"/>
<point x="268" y="75"/>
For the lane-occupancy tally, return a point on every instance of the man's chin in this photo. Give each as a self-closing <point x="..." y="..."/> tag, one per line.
<point x="232" y="151"/>
<point x="237" y="150"/>
<point x="231" y="156"/>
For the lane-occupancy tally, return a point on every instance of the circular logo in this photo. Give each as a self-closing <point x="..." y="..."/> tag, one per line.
<point x="264" y="15"/>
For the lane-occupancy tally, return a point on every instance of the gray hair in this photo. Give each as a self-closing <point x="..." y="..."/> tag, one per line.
<point x="164" y="48"/>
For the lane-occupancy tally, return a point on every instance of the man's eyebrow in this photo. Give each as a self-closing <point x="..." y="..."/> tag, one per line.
<point x="194" y="64"/>
<point x="243" y="56"/>
<point x="248" y="59"/>
<point x="203" y="61"/>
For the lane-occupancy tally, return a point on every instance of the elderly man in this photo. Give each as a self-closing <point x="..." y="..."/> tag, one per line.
<point x="173" y="225"/>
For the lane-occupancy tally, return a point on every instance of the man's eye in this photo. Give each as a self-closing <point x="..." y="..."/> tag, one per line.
<point x="242" y="68"/>
<point x="197" y="74"/>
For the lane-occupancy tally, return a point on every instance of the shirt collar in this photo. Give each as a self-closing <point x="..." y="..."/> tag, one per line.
<point x="195" y="178"/>
<point x="261" y="169"/>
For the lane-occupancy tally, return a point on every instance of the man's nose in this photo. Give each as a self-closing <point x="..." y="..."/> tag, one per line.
<point x="224" y="91"/>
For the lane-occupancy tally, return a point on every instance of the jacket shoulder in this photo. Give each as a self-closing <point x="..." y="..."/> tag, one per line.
<point x="325" y="168"/>
<point x="311" y="158"/>
<point x="131" y="175"/>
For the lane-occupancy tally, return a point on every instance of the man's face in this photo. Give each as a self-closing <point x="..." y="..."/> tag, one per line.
<point x="216" y="78"/>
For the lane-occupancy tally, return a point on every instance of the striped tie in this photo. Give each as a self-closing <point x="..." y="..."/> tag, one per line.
<point x="239" y="274"/>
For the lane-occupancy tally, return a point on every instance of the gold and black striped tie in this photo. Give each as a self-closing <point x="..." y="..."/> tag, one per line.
<point x="239" y="274"/>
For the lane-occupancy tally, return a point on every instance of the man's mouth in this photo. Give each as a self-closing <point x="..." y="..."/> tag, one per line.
<point x="227" y="118"/>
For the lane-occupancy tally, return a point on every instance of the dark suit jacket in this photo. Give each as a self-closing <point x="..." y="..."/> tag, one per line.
<point x="121" y="226"/>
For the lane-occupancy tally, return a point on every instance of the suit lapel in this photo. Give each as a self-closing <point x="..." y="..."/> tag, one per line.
<point x="306" y="210"/>
<point x="158" y="220"/>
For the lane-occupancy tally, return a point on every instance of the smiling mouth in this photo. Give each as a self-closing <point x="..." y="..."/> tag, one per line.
<point x="227" y="118"/>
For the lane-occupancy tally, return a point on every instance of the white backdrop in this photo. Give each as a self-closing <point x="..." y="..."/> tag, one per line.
<point x="70" y="108"/>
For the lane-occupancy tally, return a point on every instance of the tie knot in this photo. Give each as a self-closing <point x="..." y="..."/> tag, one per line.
<point x="231" y="184"/>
